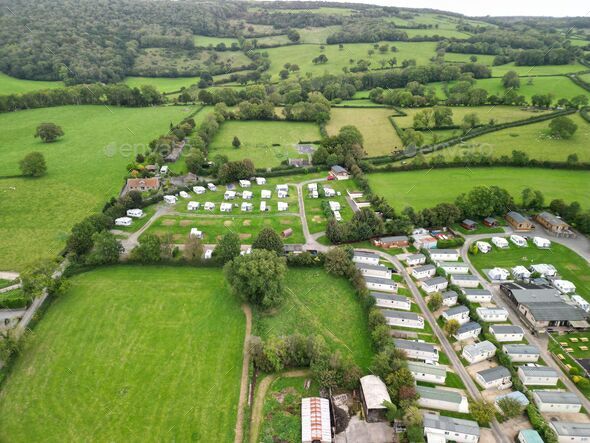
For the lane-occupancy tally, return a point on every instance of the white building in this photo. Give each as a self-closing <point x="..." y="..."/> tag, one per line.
<point x="506" y="333"/>
<point x="477" y="352"/>
<point x="428" y="373"/>
<point x="265" y="193"/>
<point x="425" y="271"/>
<point x="164" y="170"/>
<point x="541" y="242"/>
<point x="465" y="281"/>
<point x="478" y="295"/>
<point x="499" y="274"/>
<point x="468" y="330"/>
<point x="544" y="270"/>
<point x="315" y="420"/>
<point x="492" y="315"/>
<point x="264" y="207"/>
<point x="337" y="216"/>
<point x="483" y="247"/>
<point x="374" y="270"/>
<point x="208" y="254"/>
<point x="441" y="429"/>
<point x="403" y="319"/>
<point x="518" y="240"/>
<point x="247" y="195"/>
<point x="229" y="195"/>
<point x="581" y="302"/>
<point x="195" y="233"/>
<point x="380" y="284"/>
<point x="282" y="194"/>
<point x="449" y="298"/>
<point x="246" y="207"/>
<point x="135" y="213"/>
<point x="415" y="259"/>
<point x="123" y="221"/>
<point x="226" y="207"/>
<point x="557" y="401"/>
<point x="569" y="432"/>
<point x="199" y="190"/>
<point x="500" y="242"/>
<point x="192" y="206"/>
<point x="564" y="286"/>
<point x="284" y="188"/>
<point x="209" y="206"/>
<point x="212" y="187"/>
<point x="521" y="353"/>
<point x="537" y="375"/>
<point x="459" y="313"/>
<point x="329" y="192"/>
<point x="311" y="187"/>
<point x="497" y="377"/>
<point x="334" y="206"/>
<point x="245" y="183"/>
<point x="282" y="206"/>
<point x="260" y="181"/>
<point x="520" y="272"/>
<point x="184" y="194"/>
<point x="365" y="257"/>
<point x="373" y="394"/>
<point x="452" y="268"/>
<point x="170" y="199"/>
<point x="445" y="399"/>
<point x="435" y="284"/>
<point x="417" y="350"/>
<point x="444" y="254"/>
<point x="391" y="301"/>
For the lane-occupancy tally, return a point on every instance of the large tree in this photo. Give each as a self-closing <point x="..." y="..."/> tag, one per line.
<point x="268" y="239"/>
<point x="562" y="127"/>
<point x="33" y="165"/>
<point x="149" y="249"/>
<point x="228" y="247"/>
<point x="48" y="132"/>
<point x="106" y="249"/>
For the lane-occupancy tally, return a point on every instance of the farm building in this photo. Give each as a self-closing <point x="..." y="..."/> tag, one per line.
<point x="538" y="375"/>
<point x="528" y="436"/>
<point x="246" y="207"/>
<point x="445" y="399"/>
<point x="478" y="295"/>
<point x="497" y="377"/>
<point x="516" y="395"/>
<point x="260" y="181"/>
<point x="365" y="257"/>
<point x="9" y="318"/>
<point x="505" y="333"/>
<point x="459" y="313"/>
<point x="449" y="298"/>
<point x="428" y="373"/>
<point x="245" y="183"/>
<point x="425" y="271"/>
<point x="465" y="281"/>
<point x="229" y="195"/>
<point x="518" y="240"/>
<point x="521" y="353"/>
<point x="415" y="259"/>
<point x="417" y="350"/>
<point x="403" y="319"/>
<point x="135" y="213"/>
<point x="380" y="284"/>
<point x="209" y="206"/>
<point x="498" y="274"/>
<point x="570" y="432"/>
<point x="392" y="301"/>
<point x="199" y="190"/>
<point x="453" y="267"/>
<point x="265" y="193"/>
<point x="226" y="207"/>
<point x="557" y="401"/>
<point x="373" y="394"/>
<point x="492" y="315"/>
<point x="435" y="284"/>
<point x="374" y="270"/>
<point x="444" y="254"/>
<point x="184" y="194"/>
<point x="564" y="286"/>
<point x="195" y="233"/>
<point x="170" y="199"/>
<point x="520" y="272"/>
<point x="123" y="221"/>
<point x="439" y="429"/>
<point x="518" y="221"/>
<point x="468" y="330"/>
<point x="192" y="206"/>
<point x="399" y="241"/>
<point x="282" y="206"/>
<point x="581" y="302"/>
<point x="247" y="195"/>
<point x="500" y="242"/>
<point x="142" y="184"/>
<point x="552" y="223"/>
<point x="544" y="269"/>
<point x="490" y="222"/>
<point x="315" y="420"/>
<point x="468" y="224"/>
<point x="339" y="173"/>
<point x="483" y="247"/>
<point x="477" y="352"/>
<point x="541" y="242"/>
<point x="329" y="192"/>
<point x="424" y="241"/>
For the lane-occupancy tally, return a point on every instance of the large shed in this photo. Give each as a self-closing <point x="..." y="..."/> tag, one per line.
<point x="315" y="420"/>
<point x="373" y="394"/>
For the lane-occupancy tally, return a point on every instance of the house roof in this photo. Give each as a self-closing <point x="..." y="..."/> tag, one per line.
<point x="506" y="329"/>
<point x="391" y="297"/>
<point x="521" y="349"/>
<point x="468" y="221"/>
<point x="557" y="397"/>
<point x="535" y="295"/>
<point x="374" y="392"/>
<point x="538" y="371"/>
<point x="414" y="345"/>
<point x="394" y="238"/>
<point x="439" y="394"/>
<point x="456" y="310"/>
<point x="424" y="268"/>
<point x="495" y="373"/>
<point x="530" y="436"/>
<point x="148" y="182"/>
<point x="338" y="169"/>
<point x="435" y="281"/>
<point x="566" y="428"/>
<point x="468" y="327"/>
<point x="369" y="266"/>
<point x="400" y="314"/>
<point x="489" y="219"/>
<point x="517" y="217"/>
<point x="424" y="368"/>
<point x="443" y="251"/>
<point x="449" y="294"/>
<point x="382" y="281"/>
<point x="551" y="218"/>
<point x="516" y="395"/>
<point x="555" y="311"/>
<point x="480" y="348"/>
<point x="451" y="424"/>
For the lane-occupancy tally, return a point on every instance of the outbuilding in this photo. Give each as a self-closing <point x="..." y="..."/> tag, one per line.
<point x="537" y="375"/>
<point x="435" y="284"/>
<point x="521" y="353"/>
<point x="468" y="330"/>
<point x="497" y="377"/>
<point x="338" y="172"/>
<point x="315" y="420"/>
<point x="445" y="399"/>
<point x="403" y="319"/>
<point x="373" y="395"/>
<point x="424" y="271"/>
<point x="528" y="435"/>
<point x="424" y="241"/>
<point x="391" y="301"/>
<point x="490" y="222"/>
<point x="427" y="372"/>
<point x="506" y="333"/>
<point x="476" y="352"/>
<point x="557" y="401"/>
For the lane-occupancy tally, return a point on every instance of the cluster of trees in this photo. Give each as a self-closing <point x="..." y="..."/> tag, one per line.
<point x="573" y="214"/>
<point x="316" y="108"/>
<point x="90" y="241"/>
<point x="437" y="117"/>
<point x="346" y="148"/>
<point x="363" y="225"/>
<point x="413" y="95"/>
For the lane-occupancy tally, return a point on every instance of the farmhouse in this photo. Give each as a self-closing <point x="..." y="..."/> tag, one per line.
<point x="435" y="284"/>
<point x="468" y="330"/>
<point x="518" y="240"/>
<point x="519" y="222"/>
<point x="492" y="315"/>
<point x="516" y="395"/>
<point x="229" y="195"/>
<point x="477" y="352"/>
<point x="545" y="270"/>
<point x="453" y="267"/>
<point x="449" y="298"/>
<point x="142" y="184"/>
<point x="245" y="183"/>
<point x="329" y="192"/>
<point x="438" y="428"/>
<point x="425" y="271"/>
<point x="528" y="435"/>
<point x="226" y="207"/>
<point x="195" y="233"/>
<point x="374" y="270"/>
<point x="403" y="319"/>
<point x="417" y="350"/>
<point x="459" y="313"/>
<point x="400" y="241"/>
<point x="135" y="213"/>
<point x="415" y="259"/>
<point x="393" y="301"/>
<point x="424" y="241"/>
<point x="477" y="295"/>
<point x="504" y="333"/>
<point x="315" y="420"/>
<point x="123" y="221"/>
<point x="522" y="353"/>
<point x="380" y="284"/>
<point x="339" y="173"/>
<point x="500" y="242"/>
<point x="520" y="272"/>
<point x="282" y="206"/>
<point x="444" y="254"/>
<point x="483" y="247"/>
<point x="445" y="399"/>
<point x="192" y="206"/>
<point x="9" y="318"/>
<point x="428" y="373"/>
<point x="538" y="375"/>
<point x="581" y="302"/>
<point x="373" y="394"/>
<point x="246" y="207"/>
<point x="557" y="401"/>
<point x="365" y="257"/>
<point x="490" y="222"/>
<point x="564" y="286"/>
<point x="552" y="223"/>
<point x="497" y="377"/>
<point x="541" y="242"/>
<point x="199" y="190"/>
<point x="570" y="432"/>
<point x="465" y="281"/>
<point x="170" y="199"/>
<point x="260" y="181"/>
<point x="247" y="195"/>
<point x="265" y="193"/>
<point x="468" y="224"/>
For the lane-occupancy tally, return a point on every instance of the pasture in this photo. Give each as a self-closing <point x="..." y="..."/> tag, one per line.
<point x="13" y="85"/>
<point x="378" y="133"/>
<point x="85" y="168"/>
<point x="266" y="143"/>
<point x="426" y="188"/>
<point x="162" y="84"/>
<point x="206" y="41"/>
<point x="159" y="358"/>
<point x="499" y="71"/>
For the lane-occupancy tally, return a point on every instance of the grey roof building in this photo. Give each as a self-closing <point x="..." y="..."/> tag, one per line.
<point x="435" y="281"/>
<point x="538" y="371"/>
<point x="450" y="425"/>
<point x="557" y="397"/>
<point x="521" y="349"/>
<point x="456" y="310"/>
<point x="468" y="327"/>
<point x="565" y="429"/>
<point x="506" y="329"/>
<point x="491" y="374"/>
<point x="379" y="280"/>
<point x="390" y="313"/>
<point x="390" y="297"/>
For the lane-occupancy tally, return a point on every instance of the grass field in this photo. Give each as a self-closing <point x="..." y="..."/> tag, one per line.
<point x="378" y="133"/>
<point x="316" y="219"/>
<point x="258" y="138"/>
<point x="162" y="84"/>
<point x="318" y="303"/>
<point x="426" y="188"/>
<point x="499" y="71"/>
<point x="12" y="85"/>
<point x="317" y="35"/>
<point x="206" y="41"/>
<point x="158" y="359"/>
<point x="81" y="173"/>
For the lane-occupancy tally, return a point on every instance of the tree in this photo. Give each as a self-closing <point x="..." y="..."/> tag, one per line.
<point x="33" y="165"/>
<point x="80" y="240"/>
<point x="48" y="132"/>
<point x="293" y="35"/>
<point x="482" y="411"/>
<point x="106" y="249"/>
<point x="411" y="138"/>
<point x="149" y="249"/>
<point x="443" y="116"/>
<point x="257" y="277"/>
<point x="562" y="127"/>
<point x="193" y="250"/>
<point x="36" y="277"/>
<point x="423" y="119"/>
<point x="194" y="160"/>
<point x="470" y="121"/>
<point x="228" y="247"/>
<point x="236" y="143"/>
<point x="511" y="80"/>
<point x="338" y="262"/>
<point x="510" y="407"/>
<point x="435" y="301"/>
<point x="451" y="327"/>
<point x="268" y="239"/>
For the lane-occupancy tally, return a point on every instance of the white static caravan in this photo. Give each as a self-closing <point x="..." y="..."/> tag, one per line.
<point x="452" y="268"/>
<point x="478" y="295"/>
<point x="507" y="333"/>
<point x="195" y="233"/>
<point x="184" y="194"/>
<point x="544" y="269"/>
<point x="537" y="375"/>
<point x="521" y="353"/>
<point x="199" y="190"/>
<point x="477" y="352"/>
<point x="564" y="286"/>
<point x="211" y="187"/>
<point x="245" y="183"/>
<point x="135" y="213"/>
<point x="403" y="319"/>
<point x="444" y="254"/>
<point x="260" y="181"/>
<point x="441" y="429"/>
<point x="557" y="401"/>
<point x="499" y="274"/>
<point x="417" y="350"/>
<point x="284" y="188"/>
<point x="229" y="195"/>
<point x="246" y="207"/>
<point x="435" y="284"/>
<point x="380" y="284"/>
<point x="209" y="206"/>
<point x="164" y="170"/>
<point x="334" y="206"/>
<point x="365" y="257"/>
<point x="263" y="207"/>
<point x="497" y="377"/>
<point x="581" y="302"/>
<point x="192" y="206"/>
<point x="468" y="330"/>
<point x="483" y="247"/>
<point x="329" y="192"/>
<point x="374" y="270"/>
<point x="518" y="240"/>
<point x="415" y="259"/>
<point x="391" y="301"/>
<point x="123" y="221"/>
<point x="450" y="298"/>
<point x="282" y="194"/>
<point x="520" y="272"/>
<point x="338" y="216"/>
<point x="445" y="399"/>
<point x="282" y="206"/>
<point x="265" y="193"/>
<point x="492" y="315"/>
<point x="465" y="280"/>
<point x="570" y="432"/>
<point x="226" y="207"/>
<point x="428" y="373"/>
<point x="541" y="242"/>
<point x="459" y="313"/>
<point x="500" y="242"/>
<point x="170" y="199"/>
<point x="425" y="271"/>
<point x="247" y="195"/>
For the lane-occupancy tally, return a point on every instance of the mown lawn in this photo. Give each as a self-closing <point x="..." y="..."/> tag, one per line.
<point x="13" y="85"/>
<point x="130" y="354"/>
<point x="85" y="168"/>
<point x="316" y="219"/>
<point x="426" y="188"/>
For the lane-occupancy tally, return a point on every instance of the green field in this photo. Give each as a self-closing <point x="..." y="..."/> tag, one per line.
<point x="499" y="71"/>
<point x="12" y="85"/>
<point x="317" y="35"/>
<point x="258" y="138"/>
<point x="162" y="84"/>
<point x="318" y="303"/>
<point x="81" y="173"/>
<point x="316" y="219"/>
<point x="206" y="41"/>
<point x="378" y="133"/>
<point x="130" y="354"/>
<point x="426" y="188"/>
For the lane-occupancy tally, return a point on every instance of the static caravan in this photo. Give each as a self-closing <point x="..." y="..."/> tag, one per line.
<point x="581" y="302"/>
<point x="497" y="377"/>
<point x="374" y="270"/>
<point x="564" y="286"/>
<point x="570" y="432"/>
<point x="403" y="319"/>
<point x="260" y="181"/>
<point x="439" y="429"/>
<point x="425" y="271"/>
<point x="184" y="194"/>
<point x="229" y="195"/>
<point x="211" y="187"/>
<point x="365" y="257"/>
<point x="500" y="242"/>
<point x="468" y="330"/>
<point x="415" y="259"/>
<point x="264" y="207"/>
<point x="417" y="350"/>
<point x="506" y="333"/>
<point x="477" y="352"/>
<point x="329" y="192"/>
<point x="452" y="268"/>
<point x="518" y="240"/>
<point x="195" y="233"/>
<point x="170" y="199"/>
<point x="245" y="183"/>
<point x="541" y="242"/>
<point x="282" y="206"/>
<point x="135" y="213"/>
<point x="478" y="295"/>
<point x="483" y="247"/>
<point x="265" y="193"/>
<point x="428" y="373"/>
<point x="246" y="207"/>
<point x="435" y="284"/>
<point x="544" y="269"/>
<point x="192" y="206"/>
<point x="492" y="315"/>
<point x="209" y="206"/>
<point x="465" y="281"/>
<point x="520" y="272"/>
<point x="445" y="399"/>
<point x="520" y="353"/>
<point x="247" y="195"/>
<point x="459" y="313"/>
<point x="123" y="221"/>
<point x="391" y="301"/>
<point x="449" y="298"/>
<point x="537" y="375"/>
<point x="444" y="254"/>
<point x="498" y="274"/>
<point x="199" y="190"/>
<point x="380" y="284"/>
<point x="557" y="401"/>
<point x="226" y="207"/>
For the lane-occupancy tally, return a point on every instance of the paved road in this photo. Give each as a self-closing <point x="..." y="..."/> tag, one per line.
<point x="133" y="240"/>
<point x="7" y="275"/>
<point x="445" y="344"/>
<point x="310" y="239"/>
